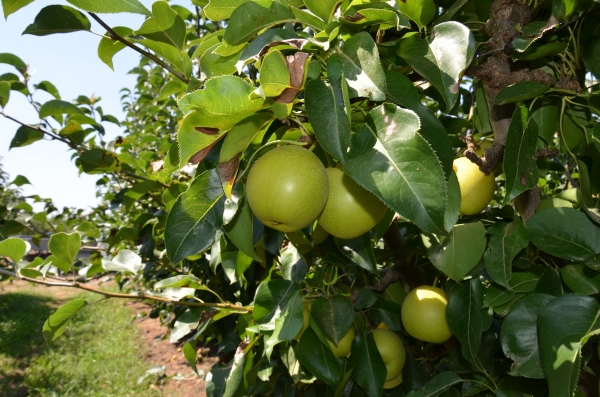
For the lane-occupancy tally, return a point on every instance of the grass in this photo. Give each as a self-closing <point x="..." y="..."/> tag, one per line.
<point x="99" y="355"/>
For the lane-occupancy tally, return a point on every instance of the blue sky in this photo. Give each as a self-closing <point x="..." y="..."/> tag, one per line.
<point x="69" y="61"/>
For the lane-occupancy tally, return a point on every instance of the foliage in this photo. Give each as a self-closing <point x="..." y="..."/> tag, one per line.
<point x="392" y="92"/>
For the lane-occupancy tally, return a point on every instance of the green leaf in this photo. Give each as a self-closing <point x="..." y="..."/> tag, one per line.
<point x="111" y="6"/>
<point x="206" y="42"/>
<point x="326" y="111"/>
<point x="437" y="385"/>
<point x="20" y="180"/>
<point x="11" y="228"/>
<point x="13" y="248"/>
<point x="370" y="371"/>
<point x="217" y="10"/>
<point x="546" y="117"/>
<point x="519" y="336"/>
<point x="173" y="87"/>
<point x="359" y="251"/>
<point x="4" y="93"/>
<point x="239" y="230"/>
<point x="563" y="9"/>
<point x="289" y="323"/>
<point x="267" y="39"/>
<point x="507" y="240"/>
<point x="57" y="108"/>
<point x="591" y="55"/>
<point x="550" y="283"/>
<point x="324" y="9"/>
<point x="13" y="60"/>
<point x="564" y="232"/>
<point x="124" y="261"/>
<point x="191" y="224"/>
<point x="274" y="74"/>
<point x="519" y="155"/>
<point x="441" y="60"/>
<point x="400" y="167"/>
<point x="581" y="279"/>
<point x="318" y="358"/>
<point x="57" y="322"/>
<point x="214" y="65"/>
<point x="271" y="299"/>
<point x="402" y="92"/>
<point x="335" y="316"/>
<point x="458" y="253"/>
<point x="465" y="317"/>
<point x="108" y="47"/>
<point x="179" y="59"/>
<point x="49" y="88"/>
<point x="453" y="203"/>
<point x="292" y="264"/>
<point x="520" y="92"/>
<point x="234" y="384"/>
<point x="183" y="280"/>
<point x="190" y="353"/>
<point x="12" y="6"/>
<point x="420" y="11"/>
<point x="359" y="64"/>
<point x="251" y="17"/>
<point x="58" y="19"/>
<point x="235" y="263"/>
<point x="223" y="102"/>
<point x="564" y="326"/>
<point x="65" y="246"/>
<point x="97" y="161"/>
<point x="596" y="135"/>
<point x="165" y="26"/>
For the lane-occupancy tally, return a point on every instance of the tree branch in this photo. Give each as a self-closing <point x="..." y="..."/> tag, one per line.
<point x="115" y="36"/>
<point x="139" y="295"/>
<point x="50" y="134"/>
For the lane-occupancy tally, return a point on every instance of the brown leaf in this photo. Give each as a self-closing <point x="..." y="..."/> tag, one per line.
<point x="287" y="96"/>
<point x="354" y="18"/>
<point x="296" y="64"/>
<point x="228" y="169"/>
<point x="207" y="130"/>
<point x="198" y="157"/>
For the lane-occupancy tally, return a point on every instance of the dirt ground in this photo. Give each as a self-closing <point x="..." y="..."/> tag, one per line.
<point x="182" y="381"/>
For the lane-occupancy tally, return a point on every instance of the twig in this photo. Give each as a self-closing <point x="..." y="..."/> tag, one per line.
<point x="115" y="36"/>
<point x="492" y="156"/>
<point x="50" y="134"/>
<point x="545" y="152"/>
<point x="139" y="295"/>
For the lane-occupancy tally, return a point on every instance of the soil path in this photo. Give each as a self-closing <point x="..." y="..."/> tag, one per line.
<point x="182" y="381"/>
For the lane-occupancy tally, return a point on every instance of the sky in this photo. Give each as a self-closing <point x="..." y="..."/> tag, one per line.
<point x="71" y="63"/>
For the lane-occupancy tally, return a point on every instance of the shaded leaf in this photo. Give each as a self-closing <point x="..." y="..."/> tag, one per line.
<point x="437" y="385"/>
<point x="420" y="11"/>
<point x="58" y="19"/>
<point x="564" y="325"/>
<point x="519" y="336"/>
<point x="458" y="253"/>
<point x="108" y="47"/>
<point x="507" y="240"/>
<point x="326" y="111"/>
<point x="519" y="155"/>
<point x="400" y="168"/>
<point x="334" y="316"/>
<point x="359" y="251"/>
<point x="13" y="60"/>
<point x="519" y="92"/>
<point x="465" y="317"/>
<point x="318" y="358"/>
<point x="370" y="371"/>
<point x="57" y="322"/>
<point x="271" y="299"/>
<point x="165" y="26"/>
<point x="191" y="223"/>
<point x="324" y="9"/>
<point x="442" y="59"/>
<point x="564" y="232"/>
<point x="26" y="136"/>
<point x="581" y="279"/>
